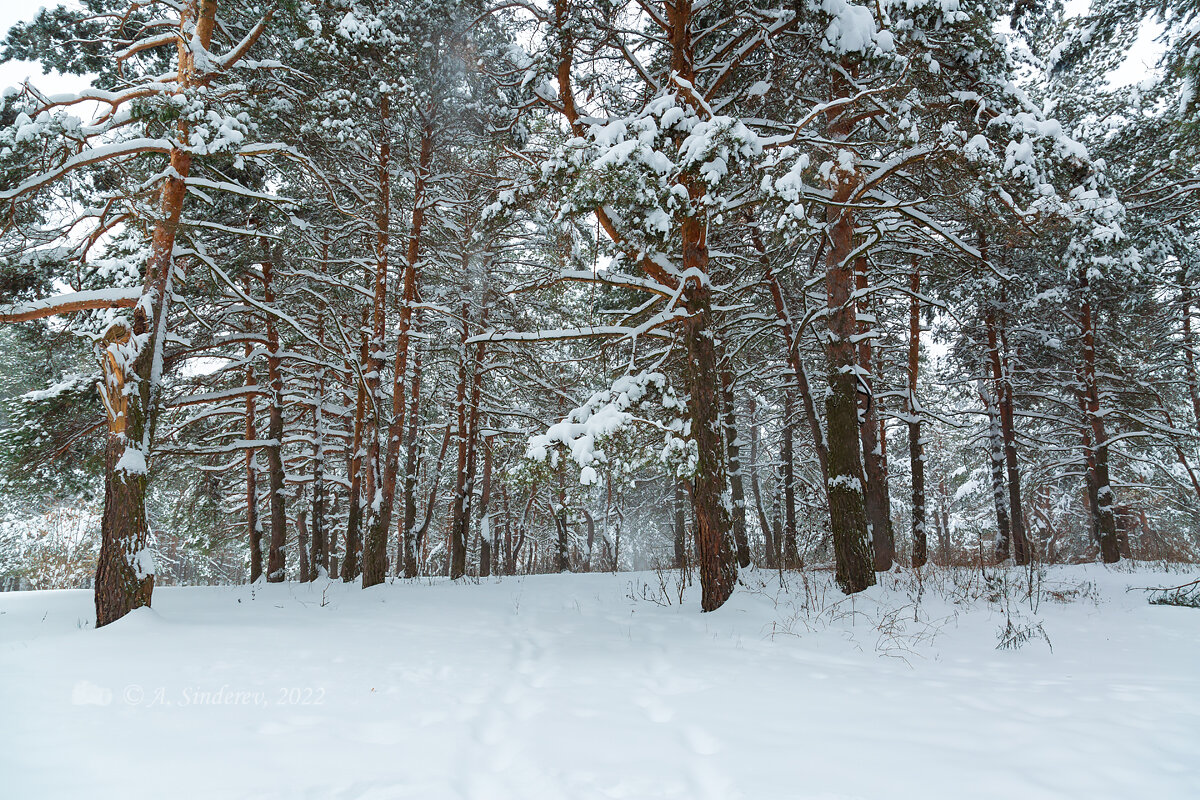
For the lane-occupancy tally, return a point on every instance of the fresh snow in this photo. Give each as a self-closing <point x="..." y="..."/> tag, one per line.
<point x="577" y="686"/>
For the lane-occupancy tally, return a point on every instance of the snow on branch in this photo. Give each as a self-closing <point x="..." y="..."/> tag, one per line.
<point x="71" y="303"/>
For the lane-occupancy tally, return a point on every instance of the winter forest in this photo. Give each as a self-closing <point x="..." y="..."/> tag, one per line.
<point x="825" y="336"/>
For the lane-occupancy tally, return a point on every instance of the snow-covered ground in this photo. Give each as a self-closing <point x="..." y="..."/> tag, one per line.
<point x="578" y="686"/>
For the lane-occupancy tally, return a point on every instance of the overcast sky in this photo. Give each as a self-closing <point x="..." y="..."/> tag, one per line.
<point x="14" y="72"/>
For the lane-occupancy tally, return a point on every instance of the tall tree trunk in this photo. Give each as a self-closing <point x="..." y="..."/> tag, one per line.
<point x="944" y="514"/>
<point x="847" y="511"/>
<point x="558" y="505"/>
<point x="718" y="568"/>
<point x="733" y="449"/>
<point x="1090" y="500"/>
<point x="680" y="527"/>
<point x="379" y="506"/>
<point x="320" y="547"/>
<point x="1002" y="392"/>
<point x="763" y="525"/>
<point x="916" y="449"/>
<point x="1008" y="428"/>
<point x="509" y="563"/>
<point x="458" y="514"/>
<point x="1106" y="522"/>
<point x="125" y="567"/>
<point x="381" y="523"/>
<point x="591" y="539"/>
<point x="252" y="522"/>
<point x="302" y="544"/>
<point x="875" y="497"/>
<point x="124" y="571"/>
<point x="1189" y="346"/>
<point x="791" y="553"/>
<point x="276" y="565"/>
<point x="351" y="561"/>
<point x="996" y="464"/>
<point x="410" y="474"/>
<point x="485" y="519"/>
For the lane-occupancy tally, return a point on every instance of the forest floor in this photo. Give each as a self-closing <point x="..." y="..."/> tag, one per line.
<point x="574" y="687"/>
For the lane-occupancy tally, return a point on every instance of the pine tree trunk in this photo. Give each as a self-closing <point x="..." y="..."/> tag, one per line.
<point x="276" y="567"/>
<point x="875" y="492"/>
<point x="125" y="568"/>
<point x="320" y="546"/>
<point x="1090" y="500"/>
<point x="681" y="559"/>
<point x="410" y="474"/>
<point x="509" y="563"/>
<point x="381" y="522"/>
<point x="254" y="528"/>
<point x="1002" y="391"/>
<point x="791" y="553"/>
<point x="763" y="525"/>
<point x="458" y="533"/>
<point x="485" y="520"/>
<point x="1106" y="522"/>
<point x="350" y="561"/>
<point x="847" y="510"/>
<point x="302" y="544"/>
<point x="733" y="449"/>
<point x="916" y="450"/>
<point x="944" y="514"/>
<point x="1189" y="346"/>
<point x="374" y="560"/>
<point x="718" y="568"/>
<point x="1008" y="429"/>
<point x="996" y="462"/>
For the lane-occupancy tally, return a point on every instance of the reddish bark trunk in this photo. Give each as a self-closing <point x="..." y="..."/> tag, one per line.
<point x="1106" y="523"/>
<point x="276" y="565"/>
<point x="875" y="495"/>
<point x="916" y="448"/>
<point x="847" y="512"/>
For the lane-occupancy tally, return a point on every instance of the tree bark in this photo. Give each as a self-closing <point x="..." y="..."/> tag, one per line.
<point x="381" y="523"/>
<point x="875" y="497"/>
<point x="253" y="525"/>
<point x="374" y="563"/>
<point x="996" y="463"/>
<point x="1189" y="346"/>
<point x="718" y="568"/>
<point x="408" y="542"/>
<point x="847" y="512"/>
<point x="485" y="520"/>
<point x="764" y="526"/>
<point x="276" y="565"/>
<point x="320" y="547"/>
<point x="350" y="561"/>
<point x="733" y="449"/>
<point x="1105" y="518"/>
<point x="458" y="514"/>
<point x="125" y="568"/>
<point x="680" y="527"/>
<point x="302" y="544"/>
<point x="916" y="448"/>
<point x="1002" y="392"/>
<point x="791" y="553"/>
